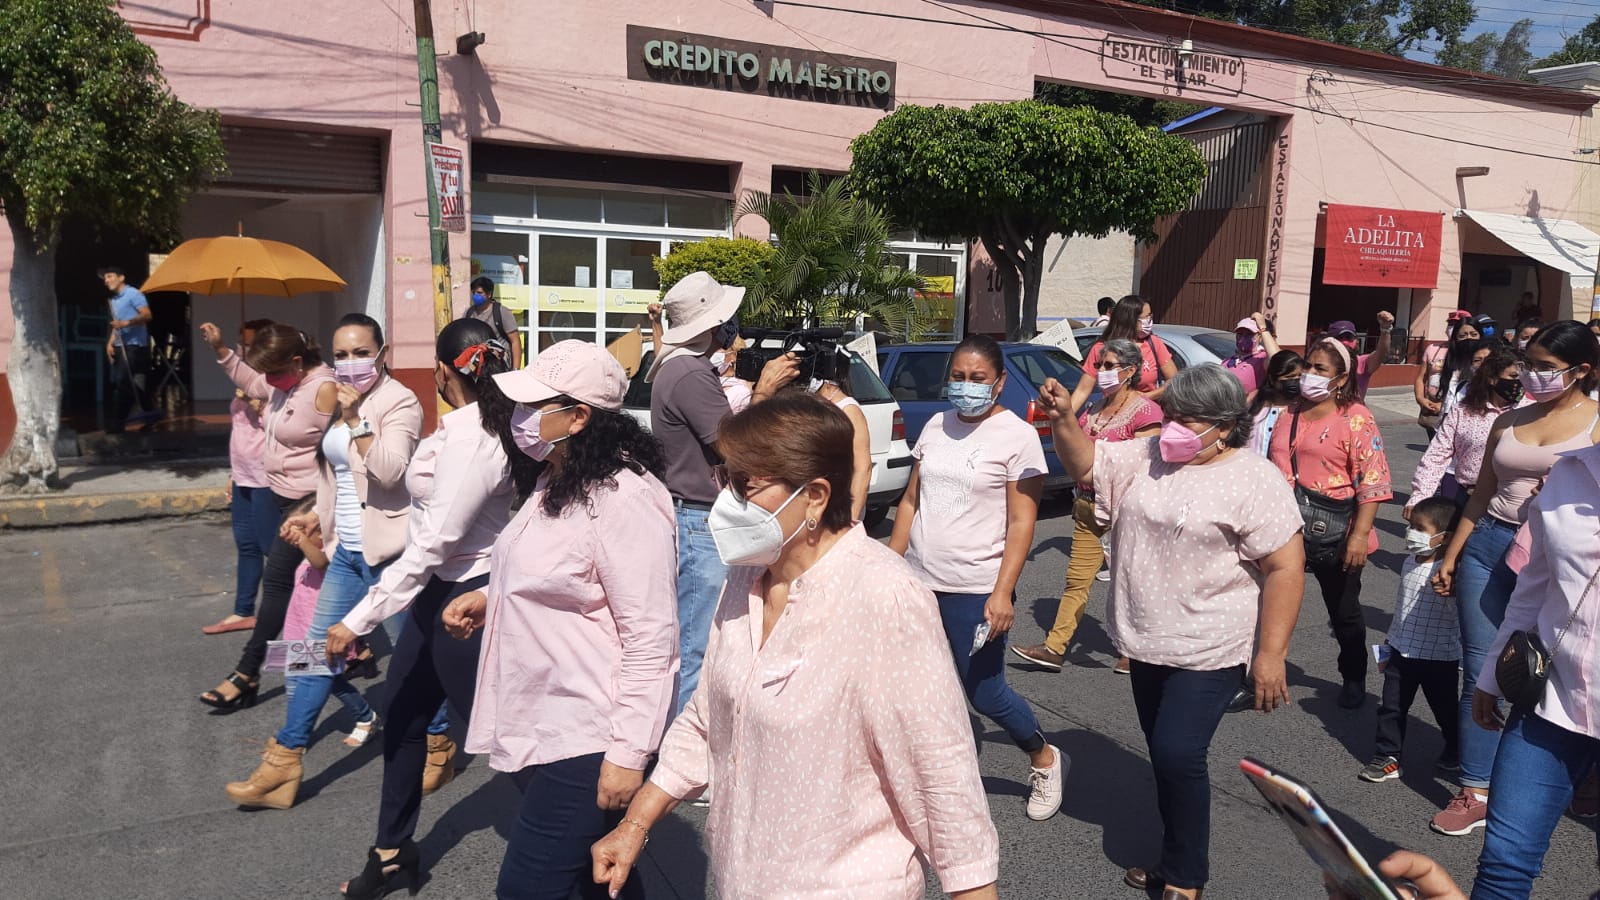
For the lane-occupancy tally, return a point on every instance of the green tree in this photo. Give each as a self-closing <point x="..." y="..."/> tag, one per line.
<point x="90" y="130"/>
<point x="831" y="263"/>
<point x="1013" y="174"/>
<point x="1579" y="48"/>
<point x="1383" y="26"/>
<point x="740" y="261"/>
<point x="1143" y="110"/>
<point x="1506" y="55"/>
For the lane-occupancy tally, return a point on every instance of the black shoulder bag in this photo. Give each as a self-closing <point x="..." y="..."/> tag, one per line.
<point x="1523" y="668"/>
<point x="1327" y="521"/>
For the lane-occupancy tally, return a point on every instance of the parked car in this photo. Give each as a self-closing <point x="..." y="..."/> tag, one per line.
<point x="891" y="455"/>
<point x="1191" y="345"/>
<point x="917" y="374"/>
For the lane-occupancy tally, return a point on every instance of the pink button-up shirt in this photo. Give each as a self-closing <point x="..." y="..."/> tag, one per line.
<point x="1563" y="557"/>
<point x="460" y="486"/>
<point x="841" y="751"/>
<point x="580" y="644"/>
<point x="247" y="444"/>
<point x="1462" y="437"/>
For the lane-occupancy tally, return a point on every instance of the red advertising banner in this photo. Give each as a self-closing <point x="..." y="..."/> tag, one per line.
<point x="1376" y="247"/>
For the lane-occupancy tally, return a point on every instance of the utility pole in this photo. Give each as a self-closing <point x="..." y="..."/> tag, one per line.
<point x="432" y="133"/>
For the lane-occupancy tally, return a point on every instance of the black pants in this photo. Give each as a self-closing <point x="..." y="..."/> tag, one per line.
<point x="427" y="667"/>
<point x="1438" y="680"/>
<point x="1179" y="710"/>
<point x="277" y="583"/>
<point x="130" y="373"/>
<point x="1341" y="592"/>
<point x="547" y="855"/>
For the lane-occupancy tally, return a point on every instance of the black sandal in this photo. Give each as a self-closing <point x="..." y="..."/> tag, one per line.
<point x="381" y="877"/>
<point x="248" y="689"/>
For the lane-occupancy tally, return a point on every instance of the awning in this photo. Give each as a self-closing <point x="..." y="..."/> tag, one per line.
<point x="1558" y="243"/>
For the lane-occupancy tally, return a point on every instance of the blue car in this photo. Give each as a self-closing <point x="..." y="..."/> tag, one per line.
<point x="916" y="375"/>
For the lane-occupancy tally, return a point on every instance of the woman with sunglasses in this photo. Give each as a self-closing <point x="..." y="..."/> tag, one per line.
<point x="579" y="621"/>
<point x="841" y="769"/>
<point x="1122" y="414"/>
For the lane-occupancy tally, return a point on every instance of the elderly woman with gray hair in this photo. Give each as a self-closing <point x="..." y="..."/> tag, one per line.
<point x="1207" y="570"/>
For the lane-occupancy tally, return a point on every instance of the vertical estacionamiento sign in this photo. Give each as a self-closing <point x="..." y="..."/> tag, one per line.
<point x="1372" y="246"/>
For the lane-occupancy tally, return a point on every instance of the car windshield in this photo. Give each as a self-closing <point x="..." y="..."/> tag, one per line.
<point x="1220" y="345"/>
<point x="1040" y="363"/>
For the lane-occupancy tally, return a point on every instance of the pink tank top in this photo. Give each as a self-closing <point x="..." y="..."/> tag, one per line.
<point x="1519" y="469"/>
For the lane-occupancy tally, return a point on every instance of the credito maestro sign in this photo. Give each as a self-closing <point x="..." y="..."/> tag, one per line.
<point x="793" y="73"/>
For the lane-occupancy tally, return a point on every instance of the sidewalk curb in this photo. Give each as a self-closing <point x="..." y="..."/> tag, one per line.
<point x="94" y="509"/>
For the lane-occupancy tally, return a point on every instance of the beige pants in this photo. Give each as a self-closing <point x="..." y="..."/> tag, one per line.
<point x="1087" y="556"/>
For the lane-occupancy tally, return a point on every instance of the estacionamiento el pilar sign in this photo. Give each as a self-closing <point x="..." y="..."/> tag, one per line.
<point x="705" y="61"/>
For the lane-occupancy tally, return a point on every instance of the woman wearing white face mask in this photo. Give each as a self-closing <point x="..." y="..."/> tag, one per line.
<point x="1131" y="319"/>
<point x="1206" y="563"/>
<point x="827" y="713"/>
<point x="966" y="526"/>
<point x="737" y="389"/>
<point x="1328" y="448"/>
<point x="580" y="638"/>
<point x="1123" y="414"/>
<point x="1523" y="445"/>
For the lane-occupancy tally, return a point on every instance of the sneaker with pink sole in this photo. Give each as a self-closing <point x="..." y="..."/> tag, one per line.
<point x="1466" y="813"/>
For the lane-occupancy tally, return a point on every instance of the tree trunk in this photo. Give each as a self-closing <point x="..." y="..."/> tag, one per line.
<point x="34" y="369"/>
<point x="1006" y="266"/>
<point x="1032" y="276"/>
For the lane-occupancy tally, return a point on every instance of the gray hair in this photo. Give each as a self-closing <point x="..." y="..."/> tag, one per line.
<point x="1127" y="353"/>
<point x="1210" y="394"/>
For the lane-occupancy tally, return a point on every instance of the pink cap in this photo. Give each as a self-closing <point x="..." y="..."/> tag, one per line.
<point x="586" y="372"/>
<point x="1247" y="324"/>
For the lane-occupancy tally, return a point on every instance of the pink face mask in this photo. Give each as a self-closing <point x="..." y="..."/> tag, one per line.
<point x="360" y="374"/>
<point x="1179" y="444"/>
<point x="284" y="381"/>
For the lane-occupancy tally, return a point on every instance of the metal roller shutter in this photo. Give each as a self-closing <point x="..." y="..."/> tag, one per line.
<point x="302" y="161"/>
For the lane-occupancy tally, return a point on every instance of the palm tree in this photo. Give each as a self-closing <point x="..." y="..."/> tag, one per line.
<point x="832" y="264"/>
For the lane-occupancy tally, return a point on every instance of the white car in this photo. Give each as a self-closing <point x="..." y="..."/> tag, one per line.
<point x="891" y="455"/>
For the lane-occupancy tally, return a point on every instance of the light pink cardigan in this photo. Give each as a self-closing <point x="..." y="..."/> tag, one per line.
<point x="380" y="475"/>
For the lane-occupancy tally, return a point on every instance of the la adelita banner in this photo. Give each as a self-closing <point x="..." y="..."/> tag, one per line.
<point x="1375" y="247"/>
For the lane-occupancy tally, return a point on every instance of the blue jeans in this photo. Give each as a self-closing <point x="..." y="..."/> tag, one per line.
<point x="1538" y="768"/>
<point x="346" y="693"/>
<point x="1483" y="586"/>
<point x="547" y="852"/>
<point x="701" y="575"/>
<point x="344" y="584"/>
<point x="255" y="525"/>
<point x="1179" y="711"/>
<point x="983" y="674"/>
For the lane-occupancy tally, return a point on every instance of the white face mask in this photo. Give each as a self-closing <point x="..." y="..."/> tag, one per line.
<point x="719" y="361"/>
<point x="1314" y="387"/>
<point x="1418" y="541"/>
<point x="747" y="534"/>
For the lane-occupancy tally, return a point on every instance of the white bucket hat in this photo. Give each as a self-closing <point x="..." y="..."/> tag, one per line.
<point x="696" y="305"/>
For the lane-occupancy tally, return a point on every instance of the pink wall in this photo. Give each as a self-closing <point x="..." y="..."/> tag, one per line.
<point x="556" y="77"/>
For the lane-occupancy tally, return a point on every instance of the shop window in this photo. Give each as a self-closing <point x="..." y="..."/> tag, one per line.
<point x="513" y="200"/>
<point x="708" y="213"/>
<point x="566" y="261"/>
<point x="564" y="326"/>
<point x="631" y="208"/>
<point x="631" y="264"/>
<point x="569" y="204"/>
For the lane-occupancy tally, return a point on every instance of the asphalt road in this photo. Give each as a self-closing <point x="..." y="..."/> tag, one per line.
<point x="113" y="774"/>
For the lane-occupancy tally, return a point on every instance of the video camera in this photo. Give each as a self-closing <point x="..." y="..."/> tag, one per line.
<point x="821" y="355"/>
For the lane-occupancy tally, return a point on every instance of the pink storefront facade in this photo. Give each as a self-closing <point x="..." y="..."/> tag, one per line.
<point x="597" y="134"/>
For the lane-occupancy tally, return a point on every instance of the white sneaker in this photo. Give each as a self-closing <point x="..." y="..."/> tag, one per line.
<point x="1044" y="800"/>
<point x="1103" y="576"/>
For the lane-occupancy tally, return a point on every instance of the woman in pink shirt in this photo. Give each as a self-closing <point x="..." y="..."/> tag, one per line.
<point x="255" y="516"/>
<point x="1207" y="572"/>
<point x="1545" y="751"/>
<point x="1464" y="433"/>
<point x="1131" y="319"/>
<point x="462" y="481"/>
<point x="839" y="768"/>
<point x="580" y="638"/>
<point x="1327" y="444"/>
<point x="286" y="366"/>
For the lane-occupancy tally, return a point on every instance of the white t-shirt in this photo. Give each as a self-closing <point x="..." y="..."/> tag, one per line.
<point x="959" y="534"/>
<point x="346" y="501"/>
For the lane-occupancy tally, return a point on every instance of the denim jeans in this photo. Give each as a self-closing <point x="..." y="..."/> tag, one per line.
<point x="983" y="674"/>
<point x="1537" y="770"/>
<point x="1483" y="586"/>
<point x="1179" y="710"/>
<point x="701" y="575"/>
<point x="346" y="581"/>
<point x="547" y="852"/>
<point x="348" y="695"/>
<point x="255" y="526"/>
<point x="277" y="584"/>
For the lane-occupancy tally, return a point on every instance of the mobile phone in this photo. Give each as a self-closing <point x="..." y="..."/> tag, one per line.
<point x="980" y="636"/>
<point x="1328" y="847"/>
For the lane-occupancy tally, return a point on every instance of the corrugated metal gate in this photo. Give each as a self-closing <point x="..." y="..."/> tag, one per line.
<point x="302" y="161"/>
<point x="1188" y="270"/>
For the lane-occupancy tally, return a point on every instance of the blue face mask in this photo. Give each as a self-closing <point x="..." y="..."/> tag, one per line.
<point x="971" y="398"/>
<point x="479" y="299"/>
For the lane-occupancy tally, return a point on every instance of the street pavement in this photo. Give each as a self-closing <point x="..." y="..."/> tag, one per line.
<point x="113" y="773"/>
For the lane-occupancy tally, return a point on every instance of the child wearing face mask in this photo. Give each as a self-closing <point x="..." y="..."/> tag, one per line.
<point x="1424" y="647"/>
<point x="737" y="389"/>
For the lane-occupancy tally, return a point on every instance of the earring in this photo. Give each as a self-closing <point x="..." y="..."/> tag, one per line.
<point x="811" y="524"/>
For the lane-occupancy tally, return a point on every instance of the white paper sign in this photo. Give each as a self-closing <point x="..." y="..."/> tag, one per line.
<point x="1060" y="335"/>
<point x="297" y="659"/>
<point x="622" y="279"/>
<point x="867" y="346"/>
<point x="446" y="164"/>
<point x="580" y="276"/>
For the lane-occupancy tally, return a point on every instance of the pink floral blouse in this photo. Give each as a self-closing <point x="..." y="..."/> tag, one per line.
<point x="1340" y="456"/>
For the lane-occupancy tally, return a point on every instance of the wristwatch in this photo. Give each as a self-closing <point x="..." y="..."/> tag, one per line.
<point x="361" y="431"/>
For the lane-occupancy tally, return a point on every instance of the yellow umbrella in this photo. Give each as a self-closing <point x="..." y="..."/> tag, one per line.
<point x="225" y="265"/>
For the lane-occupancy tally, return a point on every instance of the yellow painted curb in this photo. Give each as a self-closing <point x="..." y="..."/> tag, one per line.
<point x="49" y="511"/>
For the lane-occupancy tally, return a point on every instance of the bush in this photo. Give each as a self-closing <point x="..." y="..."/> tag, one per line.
<point x="740" y="261"/>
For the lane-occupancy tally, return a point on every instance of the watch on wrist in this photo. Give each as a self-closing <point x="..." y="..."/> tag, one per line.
<point x="360" y="431"/>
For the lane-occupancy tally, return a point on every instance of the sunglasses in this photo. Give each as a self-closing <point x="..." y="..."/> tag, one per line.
<point x="726" y="479"/>
<point x="1108" y="366"/>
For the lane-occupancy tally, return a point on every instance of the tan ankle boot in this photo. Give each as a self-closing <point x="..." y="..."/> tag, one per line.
<point x="275" y="782"/>
<point x="441" y="765"/>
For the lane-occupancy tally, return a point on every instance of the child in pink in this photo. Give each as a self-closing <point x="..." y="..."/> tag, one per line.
<point x="297" y="622"/>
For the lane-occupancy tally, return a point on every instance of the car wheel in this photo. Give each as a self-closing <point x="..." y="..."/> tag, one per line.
<point x="874" y="516"/>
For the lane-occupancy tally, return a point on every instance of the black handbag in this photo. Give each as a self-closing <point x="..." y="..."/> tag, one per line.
<point x="1327" y="521"/>
<point x="1524" y="666"/>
